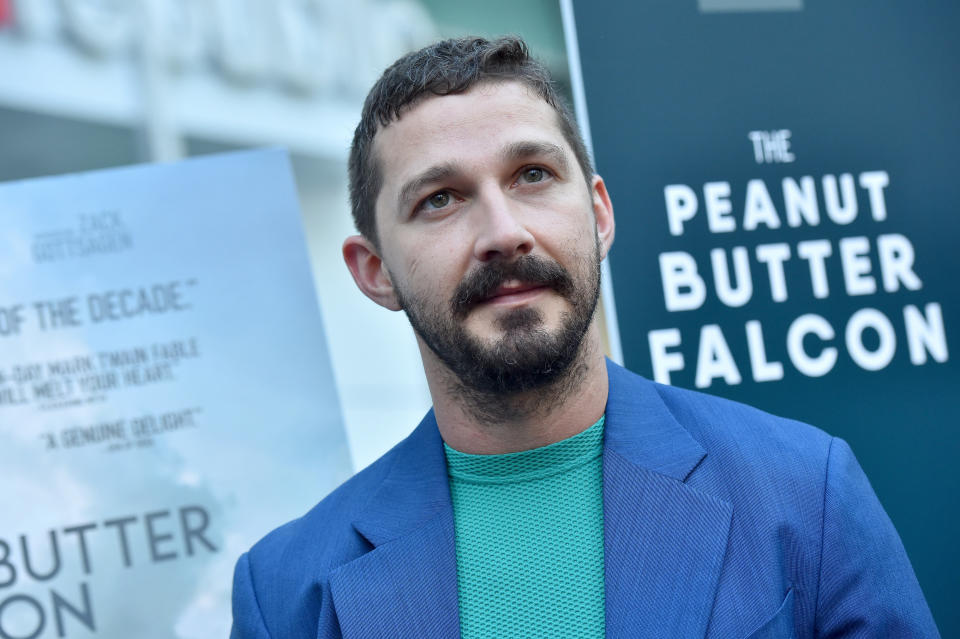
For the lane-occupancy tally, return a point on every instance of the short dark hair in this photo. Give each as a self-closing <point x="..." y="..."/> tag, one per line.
<point x="444" y="68"/>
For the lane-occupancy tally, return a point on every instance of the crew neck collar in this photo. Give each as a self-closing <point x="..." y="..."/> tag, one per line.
<point x="530" y="464"/>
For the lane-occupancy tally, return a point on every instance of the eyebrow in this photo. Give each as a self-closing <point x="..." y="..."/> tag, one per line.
<point x="512" y="152"/>
<point x="434" y="174"/>
<point x="523" y="150"/>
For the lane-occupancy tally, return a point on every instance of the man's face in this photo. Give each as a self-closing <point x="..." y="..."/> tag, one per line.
<point x="488" y="234"/>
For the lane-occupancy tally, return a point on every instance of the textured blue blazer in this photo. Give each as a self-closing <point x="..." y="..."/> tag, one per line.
<point x="719" y="521"/>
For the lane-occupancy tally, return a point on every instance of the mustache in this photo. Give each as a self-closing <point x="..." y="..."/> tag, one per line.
<point x="481" y="282"/>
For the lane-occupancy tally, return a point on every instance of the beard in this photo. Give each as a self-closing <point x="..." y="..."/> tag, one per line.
<point x="526" y="356"/>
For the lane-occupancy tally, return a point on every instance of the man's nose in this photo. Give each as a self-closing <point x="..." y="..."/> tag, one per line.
<point x="501" y="232"/>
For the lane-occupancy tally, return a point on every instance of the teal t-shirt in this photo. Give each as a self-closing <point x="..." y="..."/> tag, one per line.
<point x="529" y="529"/>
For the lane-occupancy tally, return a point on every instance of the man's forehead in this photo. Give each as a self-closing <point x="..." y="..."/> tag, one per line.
<point x="435" y="124"/>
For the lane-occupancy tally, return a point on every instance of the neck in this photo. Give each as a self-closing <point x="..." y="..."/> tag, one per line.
<point x="478" y="423"/>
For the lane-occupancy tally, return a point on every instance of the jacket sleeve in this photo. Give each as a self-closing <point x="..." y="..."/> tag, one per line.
<point x="247" y="618"/>
<point x="867" y="587"/>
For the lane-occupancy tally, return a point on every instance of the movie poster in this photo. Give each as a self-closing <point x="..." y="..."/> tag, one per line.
<point x="784" y="174"/>
<point x="166" y="395"/>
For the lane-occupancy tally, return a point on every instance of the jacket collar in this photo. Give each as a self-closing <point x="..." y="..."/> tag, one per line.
<point x="415" y="490"/>
<point x="638" y="426"/>
<point x="663" y="540"/>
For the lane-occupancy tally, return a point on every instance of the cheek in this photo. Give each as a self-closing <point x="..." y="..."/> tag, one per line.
<point x="431" y="276"/>
<point x="414" y="267"/>
<point x="570" y="242"/>
<point x="438" y="261"/>
<point x="562" y="223"/>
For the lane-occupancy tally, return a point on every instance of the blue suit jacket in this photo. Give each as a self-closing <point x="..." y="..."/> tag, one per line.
<point x="719" y="521"/>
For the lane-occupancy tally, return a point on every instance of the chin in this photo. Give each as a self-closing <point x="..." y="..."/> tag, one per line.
<point x="527" y="317"/>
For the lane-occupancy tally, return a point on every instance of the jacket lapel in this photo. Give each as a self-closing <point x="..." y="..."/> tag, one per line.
<point x="664" y="542"/>
<point x="407" y="585"/>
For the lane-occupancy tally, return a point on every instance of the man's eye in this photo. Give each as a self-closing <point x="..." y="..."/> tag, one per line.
<point x="533" y="174"/>
<point x="439" y="200"/>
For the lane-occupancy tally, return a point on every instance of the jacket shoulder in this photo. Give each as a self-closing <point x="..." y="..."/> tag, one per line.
<point x="760" y="462"/>
<point x="751" y="455"/>
<point x="716" y="418"/>
<point x="741" y="433"/>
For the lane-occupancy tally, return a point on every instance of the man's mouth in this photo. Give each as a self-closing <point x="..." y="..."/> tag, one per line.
<point x="514" y="292"/>
<point x="509" y="284"/>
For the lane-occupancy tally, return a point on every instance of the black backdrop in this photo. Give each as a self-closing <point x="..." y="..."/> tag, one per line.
<point x="858" y="102"/>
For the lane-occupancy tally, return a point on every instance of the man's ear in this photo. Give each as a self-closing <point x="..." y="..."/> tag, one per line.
<point x="369" y="272"/>
<point x="602" y="213"/>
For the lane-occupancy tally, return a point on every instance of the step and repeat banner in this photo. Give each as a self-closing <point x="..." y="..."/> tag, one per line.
<point x="784" y="174"/>
<point x="166" y="396"/>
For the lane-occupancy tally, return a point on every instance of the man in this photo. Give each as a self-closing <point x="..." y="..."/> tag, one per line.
<point x="550" y="493"/>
